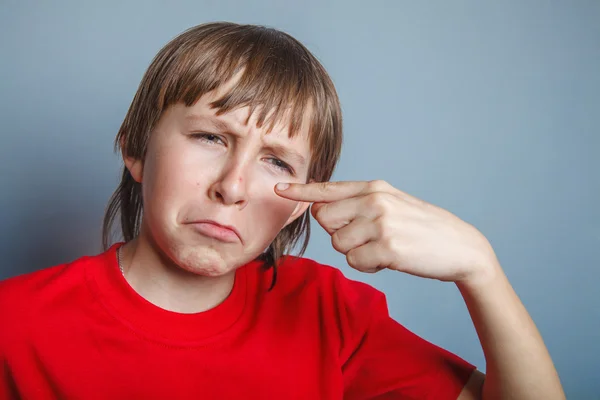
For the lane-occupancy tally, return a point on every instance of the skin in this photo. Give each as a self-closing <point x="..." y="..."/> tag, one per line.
<point x="202" y="166"/>
<point x="196" y="169"/>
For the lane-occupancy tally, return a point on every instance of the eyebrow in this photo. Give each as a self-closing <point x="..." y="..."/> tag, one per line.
<point x="215" y="122"/>
<point x="286" y="153"/>
<point x="222" y="126"/>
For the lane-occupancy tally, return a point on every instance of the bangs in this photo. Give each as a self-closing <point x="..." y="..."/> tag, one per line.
<point x="277" y="76"/>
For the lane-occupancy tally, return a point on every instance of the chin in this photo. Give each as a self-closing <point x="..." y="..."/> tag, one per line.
<point x="203" y="261"/>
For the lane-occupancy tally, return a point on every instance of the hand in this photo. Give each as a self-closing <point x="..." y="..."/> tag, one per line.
<point x="378" y="226"/>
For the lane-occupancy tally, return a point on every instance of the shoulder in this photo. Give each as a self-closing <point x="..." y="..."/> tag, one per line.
<point x="39" y="283"/>
<point x="304" y="273"/>
<point x="26" y="298"/>
<point x="378" y="353"/>
<point x="322" y="292"/>
<point x="16" y="290"/>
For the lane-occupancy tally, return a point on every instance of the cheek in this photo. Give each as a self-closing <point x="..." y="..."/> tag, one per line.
<point x="272" y="210"/>
<point x="164" y="189"/>
<point x="269" y="210"/>
<point x="172" y="175"/>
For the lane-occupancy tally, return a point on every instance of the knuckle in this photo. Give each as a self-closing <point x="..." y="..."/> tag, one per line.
<point x="387" y="240"/>
<point x="320" y="212"/>
<point x="379" y="201"/>
<point x="388" y="227"/>
<point x="337" y="241"/>
<point x="351" y="259"/>
<point x="379" y="185"/>
<point x="381" y="228"/>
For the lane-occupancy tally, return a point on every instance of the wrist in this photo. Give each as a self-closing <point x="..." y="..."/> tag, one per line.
<point x="485" y="275"/>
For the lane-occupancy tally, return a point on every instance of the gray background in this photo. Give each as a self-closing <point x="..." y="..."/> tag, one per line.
<point x="488" y="109"/>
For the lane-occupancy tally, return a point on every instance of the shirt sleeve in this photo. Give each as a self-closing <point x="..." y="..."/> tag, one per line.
<point x="391" y="362"/>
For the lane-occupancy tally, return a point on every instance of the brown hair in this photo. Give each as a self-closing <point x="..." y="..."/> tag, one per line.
<point x="278" y="74"/>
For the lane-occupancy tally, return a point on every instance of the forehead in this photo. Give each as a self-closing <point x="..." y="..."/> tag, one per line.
<point x="243" y="118"/>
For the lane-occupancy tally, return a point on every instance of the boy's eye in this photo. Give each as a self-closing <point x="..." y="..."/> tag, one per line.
<point x="213" y="139"/>
<point x="209" y="138"/>
<point x="277" y="163"/>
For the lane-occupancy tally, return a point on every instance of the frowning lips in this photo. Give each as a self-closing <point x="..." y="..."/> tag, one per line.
<point x="215" y="230"/>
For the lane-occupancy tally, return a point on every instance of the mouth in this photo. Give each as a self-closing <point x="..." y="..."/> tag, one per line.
<point x="214" y="230"/>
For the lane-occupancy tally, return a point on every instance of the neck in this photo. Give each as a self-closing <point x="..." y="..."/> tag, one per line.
<point x="166" y="285"/>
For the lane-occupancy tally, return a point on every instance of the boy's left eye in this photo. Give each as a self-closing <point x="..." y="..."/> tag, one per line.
<point x="209" y="138"/>
<point x="281" y="165"/>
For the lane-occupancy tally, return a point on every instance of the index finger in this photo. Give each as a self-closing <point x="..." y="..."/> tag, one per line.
<point x="321" y="192"/>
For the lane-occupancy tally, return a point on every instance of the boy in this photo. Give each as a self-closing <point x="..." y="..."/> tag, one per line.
<point x="234" y="132"/>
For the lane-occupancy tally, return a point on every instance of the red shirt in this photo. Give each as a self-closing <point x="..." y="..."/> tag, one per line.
<point x="79" y="331"/>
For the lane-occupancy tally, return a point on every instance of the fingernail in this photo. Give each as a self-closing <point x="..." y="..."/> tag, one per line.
<point x="282" y="186"/>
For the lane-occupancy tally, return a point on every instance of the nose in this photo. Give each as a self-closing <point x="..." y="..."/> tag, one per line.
<point x="230" y="187"/>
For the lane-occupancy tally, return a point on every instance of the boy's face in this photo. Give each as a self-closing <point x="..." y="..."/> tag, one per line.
<point x="203" y="172"/>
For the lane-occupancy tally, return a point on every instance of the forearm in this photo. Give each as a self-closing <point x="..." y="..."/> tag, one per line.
<point x="518" y="365"/>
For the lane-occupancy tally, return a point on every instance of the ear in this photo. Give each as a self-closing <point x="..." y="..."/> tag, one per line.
<point x="301" y="207"/>
<point x="134" y="165"/>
